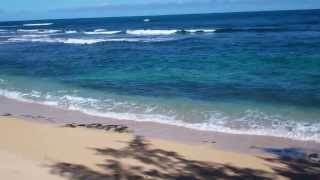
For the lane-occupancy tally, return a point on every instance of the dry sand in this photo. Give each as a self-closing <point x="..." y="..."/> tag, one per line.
<point x="30" y="150"/>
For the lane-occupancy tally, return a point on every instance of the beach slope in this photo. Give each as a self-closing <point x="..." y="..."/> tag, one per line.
<point x="31" y="150"/>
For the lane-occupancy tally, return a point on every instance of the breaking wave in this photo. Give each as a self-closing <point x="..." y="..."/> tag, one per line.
<point x="28" y="30"/>
<point x="57" y="40"/>
<point x="71" y="32"/>
<point x="34" y="38"/>
<point x="153" y="32"/>
<point x="34" y="35"/>
<point x="102" y="32"/>
<point x="251" y="123"/>
<point x="150" y="32"/>
<point x="38" y="24"/>
<point x="40" y="31"/>
<point x="200" y="30"/>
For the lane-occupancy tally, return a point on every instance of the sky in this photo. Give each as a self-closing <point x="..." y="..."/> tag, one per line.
<point x="57" y="9"/>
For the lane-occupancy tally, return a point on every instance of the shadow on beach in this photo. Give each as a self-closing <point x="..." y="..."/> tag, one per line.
<point x="161" y="164"/>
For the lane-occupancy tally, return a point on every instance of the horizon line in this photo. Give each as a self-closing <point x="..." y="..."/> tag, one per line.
<point x="153" y="15"/>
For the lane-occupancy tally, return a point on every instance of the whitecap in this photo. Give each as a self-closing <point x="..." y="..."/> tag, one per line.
<point x="146" y="40"/>
<point x="57" y="40"/>
<point x="80" y="41"/>
<point x="201" y="30"/>
<point x="34" y="35"/>
<point x="4" y="31"/>
<point x="87" y="41"/>
<point x="49" y="31"/>
<point x="70" y="32"/>
<point x="149" y="32"/>
<point x="28" y="30"/>
<point x="101" y="32"/>
<point x="41" y="31"/>
<point x="38" y="24"/>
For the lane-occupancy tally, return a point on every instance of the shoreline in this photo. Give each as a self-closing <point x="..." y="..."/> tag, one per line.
<point x="33" y="150"/>
<point x="249" y="144"/>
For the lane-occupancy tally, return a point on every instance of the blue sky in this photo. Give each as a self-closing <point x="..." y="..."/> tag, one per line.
<point x="51" y="9"/>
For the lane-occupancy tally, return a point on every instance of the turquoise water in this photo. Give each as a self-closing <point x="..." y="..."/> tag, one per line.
<point x="247" y="73"/>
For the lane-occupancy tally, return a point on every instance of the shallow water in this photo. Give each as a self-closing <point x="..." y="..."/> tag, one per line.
<point x="253" y="73"/>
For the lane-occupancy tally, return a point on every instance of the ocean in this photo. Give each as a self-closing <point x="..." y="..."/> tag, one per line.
<point x="244" y="73"/>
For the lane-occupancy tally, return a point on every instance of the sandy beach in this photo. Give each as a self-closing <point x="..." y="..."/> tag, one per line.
<point x="33" y="150"/>
<point x="161" y="90"/>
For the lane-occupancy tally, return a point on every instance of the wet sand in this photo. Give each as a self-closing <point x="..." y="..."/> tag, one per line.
<point x="251" y="144"/>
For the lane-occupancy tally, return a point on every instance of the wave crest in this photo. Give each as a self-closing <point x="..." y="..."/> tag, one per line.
<point x="39" y="31"/>
<point x="200" y="30"/>
<point x="57" y="40"/>
<point x="35" y="38"/>
<point x="150" y="32"/>
<point x="71" y="32"/>
<point x="38" y="24"/>
<point x="101" y="32"/>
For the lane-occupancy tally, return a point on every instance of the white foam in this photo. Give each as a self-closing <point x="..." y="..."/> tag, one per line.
<point x="81" y="41"/>
<point x="71" y="32"/>
<point x="49" y="31"/>
<point x="149" y="32"/>
<point x="201" y="30"/>
<point x="25" y="97"/>
<point x="102" y="31"/>
<point x="123" y="40"/>
<point x="28" y="30"/>
<point x="58" y="40"/>
<point x="34" y="35"/>
<point x="99" y="30"/>
<point x="139" y="39"/>
<point x="40" y="31"/>
<point x="85" y="41"/>
<point x="38" y="24"/>
<point x="13" y="95"/>
<point x="217" y="122"/>
<point x="146" y="20"/>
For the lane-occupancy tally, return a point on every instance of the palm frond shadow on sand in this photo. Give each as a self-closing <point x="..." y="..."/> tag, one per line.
<point x="162" y="164"/>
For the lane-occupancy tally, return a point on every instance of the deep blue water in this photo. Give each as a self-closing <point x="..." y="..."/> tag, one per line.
<point x="256" y="73"/>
